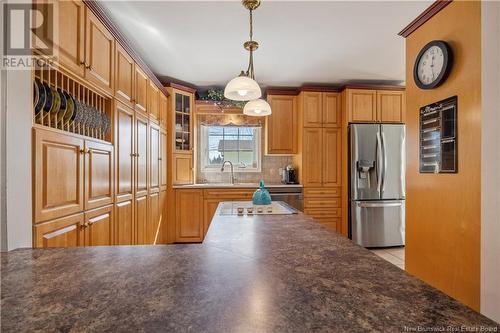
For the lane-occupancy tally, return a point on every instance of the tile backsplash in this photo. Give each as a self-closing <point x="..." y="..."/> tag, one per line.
<point x="270" y="164"/>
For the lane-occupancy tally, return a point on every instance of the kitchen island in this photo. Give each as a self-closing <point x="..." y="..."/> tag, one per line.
<point x="268" y="273"/>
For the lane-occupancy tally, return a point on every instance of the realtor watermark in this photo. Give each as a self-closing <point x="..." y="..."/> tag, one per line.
<point x="450" y="328"/>
<point x="27" y="27"/>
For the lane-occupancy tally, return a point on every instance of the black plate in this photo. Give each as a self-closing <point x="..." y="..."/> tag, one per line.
<point x="40" y="91"/>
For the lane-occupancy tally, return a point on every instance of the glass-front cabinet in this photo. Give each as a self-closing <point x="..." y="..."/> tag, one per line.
<point x="183" y="121"/>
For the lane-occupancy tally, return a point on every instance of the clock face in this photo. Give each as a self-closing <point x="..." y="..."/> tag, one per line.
<point x="432" y="65"/>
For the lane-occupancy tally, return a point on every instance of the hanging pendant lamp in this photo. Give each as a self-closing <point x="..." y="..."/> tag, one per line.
<point x="244" y="87"/>
<point x="257" y="108"/>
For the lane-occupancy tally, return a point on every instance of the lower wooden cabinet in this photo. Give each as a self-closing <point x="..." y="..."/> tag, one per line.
<point x="124" y="223"/>
<point x="98" y="227"/>
<point x="324" y="205"/>
<point x="189" y="216"/>
<point x="62" y="232"/>
<point x="141" y="219"/>
<point x="153" y="218"/>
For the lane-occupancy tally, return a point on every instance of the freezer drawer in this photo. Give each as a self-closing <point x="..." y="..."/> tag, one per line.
<point x="378" y="223"/>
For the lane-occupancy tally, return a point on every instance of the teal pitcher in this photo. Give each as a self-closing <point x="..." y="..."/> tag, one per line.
<point x="261" y="196"/>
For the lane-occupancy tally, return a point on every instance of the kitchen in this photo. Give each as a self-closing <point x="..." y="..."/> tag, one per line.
<point x="140" y="150"/>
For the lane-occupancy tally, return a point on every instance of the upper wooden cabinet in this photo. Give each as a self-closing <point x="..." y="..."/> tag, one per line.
<point x="124" y="76"/>
<point x="124" y="152"/>
<point x="141" y="155"/>
<point x="182" y="120"/>
<point x="154" y="158"/>
<point x="100" y="53"/>
<point x="70" y="40"/>
<point x="369" y="106"/>
<point x="141" y="90"/>
<point x="153" y="97"/>
<point x="391" y="106"/>
<point x="321" y="109"/>
<point x="163" y="110"/>
<point x="163" y="160"/>
<point x="182" y="169"/>
<point x="282" y="125"/>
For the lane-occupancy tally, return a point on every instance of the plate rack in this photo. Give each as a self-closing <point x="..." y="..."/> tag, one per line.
<point x="92" y="110"/>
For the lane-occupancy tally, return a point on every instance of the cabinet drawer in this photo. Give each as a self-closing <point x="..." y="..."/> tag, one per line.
<point x="321" y="202"/>
<point x="228" y="194"/>
<point x="332" y="224"/>
<point x="329" y="212"/>
<point x="322" y="192"/>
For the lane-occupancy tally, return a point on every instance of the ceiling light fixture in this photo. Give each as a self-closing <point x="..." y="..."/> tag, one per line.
<point x="244" y="87"/>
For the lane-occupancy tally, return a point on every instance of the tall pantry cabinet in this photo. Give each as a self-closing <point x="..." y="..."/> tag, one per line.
<point x="98" y="184"/>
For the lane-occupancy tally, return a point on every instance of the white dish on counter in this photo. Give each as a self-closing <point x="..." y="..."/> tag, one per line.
<point x="242" y="208"/>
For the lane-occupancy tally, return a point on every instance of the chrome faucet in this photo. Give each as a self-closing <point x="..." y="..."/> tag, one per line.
<point x="232" y="170"/>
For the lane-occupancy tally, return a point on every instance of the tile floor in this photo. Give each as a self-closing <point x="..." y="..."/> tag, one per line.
<point x="394" y="255"/>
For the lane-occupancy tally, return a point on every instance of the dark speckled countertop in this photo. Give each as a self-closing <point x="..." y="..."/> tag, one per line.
<point x="263" y="274"/>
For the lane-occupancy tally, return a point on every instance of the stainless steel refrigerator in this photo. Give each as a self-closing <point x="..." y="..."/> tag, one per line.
<point x="377" y="184"/>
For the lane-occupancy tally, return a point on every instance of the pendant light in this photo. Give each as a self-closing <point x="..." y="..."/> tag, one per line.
<point x="244" y="87"/>
<point x="257" y="108"/>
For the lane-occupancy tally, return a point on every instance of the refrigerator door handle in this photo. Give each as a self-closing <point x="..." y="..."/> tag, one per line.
<point x="379" y="205"/>
<point x="379" y="163"/>
<point x="384" y="170"/>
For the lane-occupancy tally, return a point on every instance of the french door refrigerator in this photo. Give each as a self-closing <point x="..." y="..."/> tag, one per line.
<point x="377" y="184"/>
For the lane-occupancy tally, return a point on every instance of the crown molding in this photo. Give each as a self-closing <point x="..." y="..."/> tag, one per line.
<point x="426" y="15"/>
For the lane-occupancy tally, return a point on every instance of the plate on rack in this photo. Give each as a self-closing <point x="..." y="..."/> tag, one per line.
<point x="63" y="108"/>
<point x="48" y="99"/>
<point x="39" y="90"/>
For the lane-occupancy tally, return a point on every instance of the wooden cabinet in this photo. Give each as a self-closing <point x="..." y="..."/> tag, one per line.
<point x="321" y="109"/>
<point x="154" y="158"/>
<point x="163" y="160"/>
<point x="312" y="151"/>
<point x="124" y="151"/>
<point x="141" y="155"/>
<point x="62" y="232"/>
<point x="141" y="90"/>
<point x="58" y="171"/>
<point x="282" y="125"/>
<point x="364" y="105"/>
<point x="182" y="121"/>
<point x="124" y="76"/>
<point x="162" y="220"/>
<point x="153" y="217"/>
<point x="100" y="53"/>
<point x="153" y="97"/>
<point x="99" y="182"/>
<point x="124" y="223"/>
<point x="189" y="216"/>
<point x="391" y="106"/>
<point x="98" y="227"/>
<point x="70" y="42"/>
<point x="163" y="110"/>
<point x="141" y="219"/>
<point x="332" y="156"/>
<point x="182" y="169"/>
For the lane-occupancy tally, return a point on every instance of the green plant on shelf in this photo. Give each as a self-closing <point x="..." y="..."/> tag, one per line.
<point x="217" y="96"/>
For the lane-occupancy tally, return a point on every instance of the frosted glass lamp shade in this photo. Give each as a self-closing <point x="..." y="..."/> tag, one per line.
<point x="257" y="108"/>
<point x="242" y="88"/>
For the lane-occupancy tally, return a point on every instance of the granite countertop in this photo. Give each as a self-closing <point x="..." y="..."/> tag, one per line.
<point x="236" y="185"/>
<point x="279" y="273"/>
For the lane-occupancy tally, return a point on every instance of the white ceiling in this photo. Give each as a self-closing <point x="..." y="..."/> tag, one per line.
<point x="332" y="42"/>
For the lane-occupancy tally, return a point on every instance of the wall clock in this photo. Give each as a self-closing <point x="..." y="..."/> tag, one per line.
<point x="433" y="64"/>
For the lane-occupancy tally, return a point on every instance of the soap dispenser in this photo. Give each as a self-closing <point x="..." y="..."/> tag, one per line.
<point x="261" y="196"/>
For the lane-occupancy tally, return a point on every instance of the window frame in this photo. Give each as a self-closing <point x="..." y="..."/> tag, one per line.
<point x="205" y="165"/>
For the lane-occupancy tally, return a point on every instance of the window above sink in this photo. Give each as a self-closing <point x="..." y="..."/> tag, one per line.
<point x="240" y="144"/>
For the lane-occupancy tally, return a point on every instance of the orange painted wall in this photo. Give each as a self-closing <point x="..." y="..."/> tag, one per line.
<point x="443" y="217"/>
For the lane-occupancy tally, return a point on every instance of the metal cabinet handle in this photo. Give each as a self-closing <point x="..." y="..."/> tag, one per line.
<point x="380" y="205"/>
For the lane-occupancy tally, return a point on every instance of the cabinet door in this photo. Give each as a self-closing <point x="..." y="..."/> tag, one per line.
<point x="99" y="180"/>
<point x="153" y="102"/>
<point x="124" y="150"/>
<point x="210" y="206"/>
<point x="70" y="43"/>
<point x="312" y="156"/>
<point x="58" y="172"/>
<point x="281" y="125"/>
<point x="332" y="157"/>
<point x="391" y="106"/>
<point x="362" y="105"/>
<point x="189" y="215"/>
<point x="162" y="221"/>
<point x="141" y="219"/>
<point x="62" y="232"/>
<point x="183" y="169"/>
<point x="153" y="217"/>
<point x="312" y="109"/>
<point x="100" y="53"/>
<point x="141" y="155"/>
<point x="141" y="90"/>
<point x="124" y="74"/>
<point x="163" y="110"/>
<point x="124" y="223"/>
<point x="331" y="110"/>
<point x="154" y="158"/>
<point x="99" y="226"/>
<point x="163" y="160"/>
